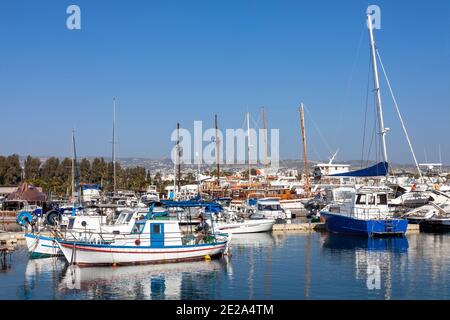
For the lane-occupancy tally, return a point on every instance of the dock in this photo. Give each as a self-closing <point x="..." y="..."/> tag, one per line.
<point x="7" y="238"/>
<point x="320" y="227"/>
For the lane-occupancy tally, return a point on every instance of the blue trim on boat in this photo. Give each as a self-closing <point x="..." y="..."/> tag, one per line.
<point x="29" y="235"/>
<point x="86" y="244"/>
<point x="337" y="223"/>
<point x="47" y="246"/>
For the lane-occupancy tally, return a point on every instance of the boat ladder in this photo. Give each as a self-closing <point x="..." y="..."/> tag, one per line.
<point x="389" y="225"/>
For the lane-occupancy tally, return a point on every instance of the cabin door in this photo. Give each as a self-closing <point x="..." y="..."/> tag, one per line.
<point x="157" y="235"/>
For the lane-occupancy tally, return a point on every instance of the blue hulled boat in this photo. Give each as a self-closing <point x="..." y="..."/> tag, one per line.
<point x="366" y="214"/>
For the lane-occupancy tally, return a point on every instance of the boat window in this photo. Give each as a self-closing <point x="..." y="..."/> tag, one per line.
<point x="120" y="218"/>
<point x="138" y="227"/>
<point x="156" y="228"/>
<point x="71" y="222"/>
<point x="269" y="207"/>
<point x="370" y="199"/>
<point x="382" y="199"/>
<point x="361" y="199"/>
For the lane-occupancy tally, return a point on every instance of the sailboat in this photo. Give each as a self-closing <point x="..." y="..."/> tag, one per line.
<point x="44" y="245"/>
<point x="367" y="212"/>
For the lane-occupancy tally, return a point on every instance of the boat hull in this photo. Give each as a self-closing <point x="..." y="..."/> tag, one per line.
<point x="255" y="226"/>
<point x="337" y="223"/>
<point x="40" y="246"/>
<point x="83" y="254"/>
<point x="439" y="225"/>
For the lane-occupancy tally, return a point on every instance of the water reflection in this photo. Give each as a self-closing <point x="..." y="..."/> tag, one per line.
<point x="373" y="258"/>
<point x="261" y="266"/>
<point x="38" y="271"/>
<point x="160" y="281"/>
<point x="262" y="239"/>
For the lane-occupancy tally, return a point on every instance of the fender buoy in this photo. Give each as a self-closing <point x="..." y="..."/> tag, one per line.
<point x="137" y="242"/>
<point x="24" y="218"/>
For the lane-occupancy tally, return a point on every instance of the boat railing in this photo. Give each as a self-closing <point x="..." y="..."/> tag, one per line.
<point x="93" y="237"/>
<point x="367" y="213"/>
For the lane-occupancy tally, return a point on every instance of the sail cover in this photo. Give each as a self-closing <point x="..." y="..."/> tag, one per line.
<point x="377" y="170"/>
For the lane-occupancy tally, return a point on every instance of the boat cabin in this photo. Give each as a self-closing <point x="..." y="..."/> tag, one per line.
<point x="366" y="203"/>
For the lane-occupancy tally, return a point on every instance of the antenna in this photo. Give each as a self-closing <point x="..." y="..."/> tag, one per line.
<point x="333" y="157"/>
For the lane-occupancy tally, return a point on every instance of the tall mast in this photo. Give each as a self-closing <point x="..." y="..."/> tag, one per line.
<point x="249" y="146"/>
<point x="217" y="151"/>
<point x="305" y="156"/>
<point x="383" y="130"/>
<point x="178" y="158"/>
<point x="114" y="145"/>
<point x="265" y="134"/>
<point x="73" y="165"/>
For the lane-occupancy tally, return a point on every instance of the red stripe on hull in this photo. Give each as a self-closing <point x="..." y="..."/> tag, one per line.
<point x="137" y="252"/>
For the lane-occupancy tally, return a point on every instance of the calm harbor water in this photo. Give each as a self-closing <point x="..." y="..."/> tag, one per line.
<point x="262" y="266"/>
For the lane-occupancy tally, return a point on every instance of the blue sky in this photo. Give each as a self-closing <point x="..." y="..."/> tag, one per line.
<point x="180" y="61"/>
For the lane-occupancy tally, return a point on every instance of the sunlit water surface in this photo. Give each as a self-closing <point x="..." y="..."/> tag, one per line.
<point x="262" y="266"/>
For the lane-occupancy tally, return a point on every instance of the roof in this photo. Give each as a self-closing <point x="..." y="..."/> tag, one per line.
<point x="7" y="190"/>
<point x="29" y="193"/>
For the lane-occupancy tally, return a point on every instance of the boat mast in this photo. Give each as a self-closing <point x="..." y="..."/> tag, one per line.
<point x="305" y="156"/>
<point x="217" y="151"/>
<point x="249" y="146"/>
<point x="73" y="166"/>
<point x="114" y="146"/>
<point x="263" y="116"/>
<point x="178" y="176"/>
<point x="383" y="130"/>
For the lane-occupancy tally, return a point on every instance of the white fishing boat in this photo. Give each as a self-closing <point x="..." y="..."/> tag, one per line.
<point x="150" y="241"/>
<point x="244" y="226"/>
<point x="267" y="208"/>
<point x="43" y="244"/>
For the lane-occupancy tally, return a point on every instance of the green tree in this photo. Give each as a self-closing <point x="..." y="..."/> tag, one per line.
<point x="13" y="173"/>
<point x="31" y="168"/>
<point x="85" y="171"/>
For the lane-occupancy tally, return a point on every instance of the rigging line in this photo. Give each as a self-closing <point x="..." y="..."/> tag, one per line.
<point x="399" y="114"/>
<point x="318" y="130"/>
<point x="350" y="79"/>
<point x="371" y="140"/>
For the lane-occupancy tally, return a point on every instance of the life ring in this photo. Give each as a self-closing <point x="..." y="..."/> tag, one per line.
<point x="24" y="218"/>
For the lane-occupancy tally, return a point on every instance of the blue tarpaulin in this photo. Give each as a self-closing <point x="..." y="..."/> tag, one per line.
<point x="377" y="170"/>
